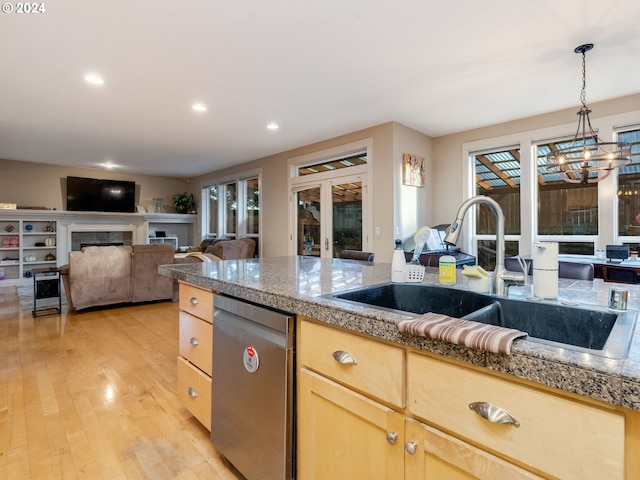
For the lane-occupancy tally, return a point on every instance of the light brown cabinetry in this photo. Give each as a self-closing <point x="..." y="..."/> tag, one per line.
<point x="195" y="347"/>
<point x="558" y="436"/>
<point x="351" y="426"/>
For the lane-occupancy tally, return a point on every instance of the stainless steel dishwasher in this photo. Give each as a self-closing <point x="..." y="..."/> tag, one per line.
<point x="252" y="407"/>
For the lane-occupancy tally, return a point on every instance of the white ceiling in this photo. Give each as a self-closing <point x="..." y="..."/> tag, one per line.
<point x="317" y="68"/>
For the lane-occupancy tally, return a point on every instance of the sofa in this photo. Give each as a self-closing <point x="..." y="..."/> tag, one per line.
<point x="228" y="249"/>
<point x="99" y="276"/>
<point x="213" y="250"/>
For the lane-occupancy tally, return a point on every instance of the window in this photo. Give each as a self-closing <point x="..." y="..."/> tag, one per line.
<point x="628" y="191"/>
<point x="230" y="209"/>
<point x="565" y="209"/>
<point x="539" y="205"/>
<point x="497" y="175"/>
<point x="233" y="208"/>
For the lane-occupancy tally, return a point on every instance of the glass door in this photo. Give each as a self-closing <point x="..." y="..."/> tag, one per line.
<point x="308" y="218"/>
<point x="329" y="217"/>
<point x="346" y="209"/>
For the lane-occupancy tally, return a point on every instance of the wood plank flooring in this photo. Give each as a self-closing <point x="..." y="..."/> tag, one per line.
<point x="93" y="395"/>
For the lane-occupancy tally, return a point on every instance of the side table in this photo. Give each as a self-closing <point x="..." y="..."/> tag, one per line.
<point x="46" y="284"/>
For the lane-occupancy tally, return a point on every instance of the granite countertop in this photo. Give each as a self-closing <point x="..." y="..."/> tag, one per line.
<point x="298" y="284"/>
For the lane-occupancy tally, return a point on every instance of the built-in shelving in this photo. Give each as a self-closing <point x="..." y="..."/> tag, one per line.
<point x="26" y="243"/>
<point x="112" y="228"/>
<point x="173" y="241"/>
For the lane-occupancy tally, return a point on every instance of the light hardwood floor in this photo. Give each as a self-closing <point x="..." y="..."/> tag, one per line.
<point x="93" y="395"/>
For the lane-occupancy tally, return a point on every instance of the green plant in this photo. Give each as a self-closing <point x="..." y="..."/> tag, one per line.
<point x="184" y="202"/>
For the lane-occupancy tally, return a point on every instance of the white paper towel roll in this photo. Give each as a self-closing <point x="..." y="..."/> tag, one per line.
<point x="545" y="269"/>
<point x="545" y="255"/>
<point x="545" y="284"/>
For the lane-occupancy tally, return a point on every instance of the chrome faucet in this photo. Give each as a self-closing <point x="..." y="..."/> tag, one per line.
<point x="500" y="274"/>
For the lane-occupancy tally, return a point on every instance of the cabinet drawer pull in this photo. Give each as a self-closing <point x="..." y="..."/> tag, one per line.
<point x="392" y="437"/>
<point x="411" y="447"/>
<point x="192" y="392"/>
<point x="493" y="413"/>
<point x="194" y="341"/>
<point x="344" y="358"/>
<point x="193" y="301"/>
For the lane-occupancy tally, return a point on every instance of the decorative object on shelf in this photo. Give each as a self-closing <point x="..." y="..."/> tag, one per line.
<point x="50" y="227"/>
<point x="11" y="241"/>
<point x="28" y="227"/>
<point x="9" y="228"/>
<point x="40" y="244"/>
<point x="184" y="202"/>
<point x="8" y="206"/>
<point x="27" y="274"/>
<point x="586" y="159"/>
<point x="30" y="258"/>
<point x="49" y="257"/>
<point x="50" y="242"/>
<point x="158" y="204"/>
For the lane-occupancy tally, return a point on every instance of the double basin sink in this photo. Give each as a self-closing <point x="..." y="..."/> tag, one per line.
<point x="594" y="330"/>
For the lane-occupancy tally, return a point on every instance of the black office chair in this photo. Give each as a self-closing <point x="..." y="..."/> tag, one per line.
<point x="576" y="271"/>
<point x="357" y="255"/>
<point x="513" y="265"/>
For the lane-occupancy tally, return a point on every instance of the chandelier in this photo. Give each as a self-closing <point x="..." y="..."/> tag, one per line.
<point x="586" y="159"/>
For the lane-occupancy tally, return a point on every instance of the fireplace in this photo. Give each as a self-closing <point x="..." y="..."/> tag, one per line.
<point x="80" y="239"/>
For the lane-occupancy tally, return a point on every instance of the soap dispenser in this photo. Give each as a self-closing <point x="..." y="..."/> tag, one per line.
<point x="398" y="263"/>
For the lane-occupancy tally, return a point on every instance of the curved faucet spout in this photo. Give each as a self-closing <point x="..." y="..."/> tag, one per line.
<point x="453" y="232"/>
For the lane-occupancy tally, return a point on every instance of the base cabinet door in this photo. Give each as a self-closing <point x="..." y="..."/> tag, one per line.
<point x="432" y="454"/>
<point x="342" y="434"/>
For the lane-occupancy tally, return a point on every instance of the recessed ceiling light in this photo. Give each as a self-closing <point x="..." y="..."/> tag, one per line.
<point x="94" y="79"/>
<point x="199" y="107"/>
<point x="272" y="126"/>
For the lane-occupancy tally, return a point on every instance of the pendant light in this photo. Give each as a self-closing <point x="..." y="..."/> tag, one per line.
<point x="586" y="159"/>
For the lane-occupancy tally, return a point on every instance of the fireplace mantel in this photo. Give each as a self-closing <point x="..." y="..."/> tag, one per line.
<point x="137" y="227"/>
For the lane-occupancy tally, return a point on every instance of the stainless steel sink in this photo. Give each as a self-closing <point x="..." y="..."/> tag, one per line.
<point x="594" y="330"/>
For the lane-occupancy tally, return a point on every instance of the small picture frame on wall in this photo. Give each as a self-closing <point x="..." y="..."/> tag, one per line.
<point x="413" y="173"/>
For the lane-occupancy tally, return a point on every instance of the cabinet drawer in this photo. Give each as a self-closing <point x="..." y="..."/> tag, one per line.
<point x="197" y="301"/>
<point x="379" y="370"/>
<point x="194" y="391"/>
<point x="196" y="338"/>
<point x="561" y="437"/>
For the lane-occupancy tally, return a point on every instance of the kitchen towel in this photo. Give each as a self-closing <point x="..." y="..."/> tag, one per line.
<point x="489" y="338"/>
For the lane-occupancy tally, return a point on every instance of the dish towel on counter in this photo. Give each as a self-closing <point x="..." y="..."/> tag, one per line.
<point x="477" y="335"/>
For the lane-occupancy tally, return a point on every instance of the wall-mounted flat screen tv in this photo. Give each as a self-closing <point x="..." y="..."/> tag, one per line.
<point x="96" y="195"/>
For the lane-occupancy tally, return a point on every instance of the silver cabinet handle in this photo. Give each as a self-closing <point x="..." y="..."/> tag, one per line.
<point x="411" y="447"/>
<point x="392" y="437"/>
<point x="193" y="301"/>
<point x="194" y="341"/>
<point x="344" y="358"/>
<point x="493" y="413"/>
<point x="192" y="392"/>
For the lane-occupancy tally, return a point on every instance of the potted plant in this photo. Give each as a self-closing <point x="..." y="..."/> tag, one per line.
<point x="184" y="202"/>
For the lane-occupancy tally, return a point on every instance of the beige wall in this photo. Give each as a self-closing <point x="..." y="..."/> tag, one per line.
<point x="447" y="150"/>
<point x="397" y="210"/>
<point x="390" y="140"/>
<point x="40" y="185"/>
<point x="413" y="206"/>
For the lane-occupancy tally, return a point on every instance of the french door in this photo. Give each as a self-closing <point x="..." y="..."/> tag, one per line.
<point x="329" y="216"/>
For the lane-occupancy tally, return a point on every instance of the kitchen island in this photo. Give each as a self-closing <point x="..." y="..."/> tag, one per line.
<point x="299" y="285"/>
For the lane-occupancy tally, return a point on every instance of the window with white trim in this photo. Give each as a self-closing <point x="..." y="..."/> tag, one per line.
<point x="233" y="208"/>
<point x="541" y="206"/>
